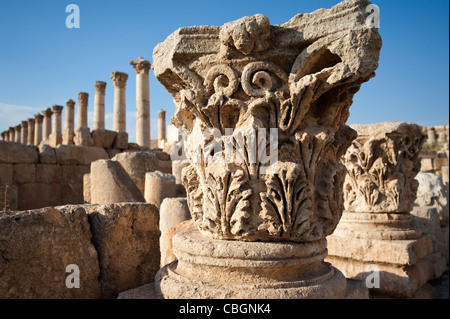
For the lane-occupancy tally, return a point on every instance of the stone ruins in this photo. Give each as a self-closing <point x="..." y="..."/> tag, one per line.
<point x="258" y="190"/>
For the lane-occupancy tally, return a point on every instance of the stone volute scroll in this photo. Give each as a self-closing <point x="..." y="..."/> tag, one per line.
<point x="245" y="90"/>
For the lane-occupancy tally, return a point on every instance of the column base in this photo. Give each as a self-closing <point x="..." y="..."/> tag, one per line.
<point x="221" y="269"/>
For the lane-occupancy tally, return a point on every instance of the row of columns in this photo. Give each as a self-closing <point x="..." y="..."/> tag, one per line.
<point x="33" y="131"/>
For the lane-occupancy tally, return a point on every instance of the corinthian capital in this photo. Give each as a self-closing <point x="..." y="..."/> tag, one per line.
<point x="382" y="164"/>
<point x="83" y="98"/>
<point x="119" y="79"/>
<point x="100" y="87"/>
<point x="296" y="79"/>
<point x="140" y="65"/>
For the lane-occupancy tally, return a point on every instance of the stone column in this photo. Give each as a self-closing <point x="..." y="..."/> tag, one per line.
<point x="119" y="79"/>
<point x="24" y="133"/>
<point x="82" y="118"/>
<point x="69" y="123"/>
<point x="47" y="123"/>
<point x="161" y="128"/>
<point x="142" y="67"/>
<point x="4" y="138"/>
<point x="30" y="140"/>
<point x="431" y="135"/>
<point x="17" y="129"/>
<point x="262" y="221"/>
<point x="38" y="118"/>
<point x="11" y="134"/>
<point x="56" y="136"/>
<point x="159" y="185"/>
<point x="99" y="105"/>
<point x="172" y="212"/>
<point x="375" y="228"/>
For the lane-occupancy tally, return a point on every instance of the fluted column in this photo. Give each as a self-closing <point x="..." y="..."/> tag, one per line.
<point x="161" y="125"/>
<point x="24" y="132"/>
<point x="30" y="139"/>
<point x="142" y="67"/>
<point x="47" y="123"/>
<point x="69" y="122"/>
<point x="38" y="118"/>
<point x="82" y="119"/>
<point x="11" y="134"/>
<point x="17" y="129"/>
<point x="99" y="105"/>
<point x="119" y="79"/>
<point x="56" y="136"/>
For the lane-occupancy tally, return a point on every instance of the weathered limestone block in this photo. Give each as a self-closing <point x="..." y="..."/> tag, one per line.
<point x="432" y="192"/>
<point x="121" y="140"/>
<point x="137" y="164"/>
<point x="172" y="212"/>
<point x="39" y="195"/>
<point x="87" y="188"/>
<point x="82" y="136"/>
<point x="79" y="155"/>
<point x="9" y="197"/>
<point x="24" y="173"/>
<point x="17" y="153"/>
<point x="48" y="173"/>
<point x="375" y="228"/>
<point x="103" y="138"/>
<point x="38" y="245"/>
<point x="159" y="185"/>
<point x="110" y="183"/>
<point x="431" y="214"/>
<point x="242" y="91"/>
<point x="47" y="154"/>
<point x="72" y="183"/>
<point x="126" y="237"/>
<point x="6" y="174"/>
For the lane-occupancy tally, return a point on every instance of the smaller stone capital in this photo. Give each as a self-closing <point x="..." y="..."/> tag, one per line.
<point x="161" y="113"/>
<point x="57" y="109"/>
<point x="83" y="98"/>
<point x="39" y="117"/>
<point x="119" y="79"/>
<point x="17" y="127"/>
<point x="31" y="121"/>
<point x="100" y="87"/>
<point x="70" y="103"/>
<point x="25" y="124"/>
<point x="141" y="65"/>
<point x="48" y="112"/>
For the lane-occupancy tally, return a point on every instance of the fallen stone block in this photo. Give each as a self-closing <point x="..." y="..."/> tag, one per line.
<point x="110" y="183"/>
<point x="36" y="248"/>
<point x="137" y="164"/>
<point x="126" y="237"/>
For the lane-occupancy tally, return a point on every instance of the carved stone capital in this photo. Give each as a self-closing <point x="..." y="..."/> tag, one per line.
<point x="57" y="109"/>
<point x="119" y="79"/>
<point x="47" y="112"/>
<point x="382" y="164"/>
<point x="83" y="98"/>
<point x="39" y="117"/>
<point x="70" y="104"/>
<point x="100" y="87"/>
<point x="141" y="65"/>
<point x="294" y="80"/>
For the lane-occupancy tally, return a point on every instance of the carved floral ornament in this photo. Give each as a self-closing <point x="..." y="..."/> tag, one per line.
<point x="382" y="164"/>
<point x="294" y="81"/>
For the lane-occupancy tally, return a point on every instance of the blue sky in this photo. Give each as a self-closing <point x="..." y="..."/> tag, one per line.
<point x="43" y="63"/>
